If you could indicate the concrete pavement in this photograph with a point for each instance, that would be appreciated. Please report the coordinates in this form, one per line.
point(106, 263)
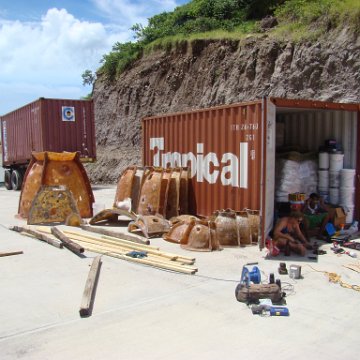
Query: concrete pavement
point(145, 313)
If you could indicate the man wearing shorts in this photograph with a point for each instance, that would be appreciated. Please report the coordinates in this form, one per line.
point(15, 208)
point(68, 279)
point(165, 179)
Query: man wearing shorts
point(288, 236)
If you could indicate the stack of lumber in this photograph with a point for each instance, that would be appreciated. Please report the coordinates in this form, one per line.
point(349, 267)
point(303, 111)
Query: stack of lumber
point(126, 250)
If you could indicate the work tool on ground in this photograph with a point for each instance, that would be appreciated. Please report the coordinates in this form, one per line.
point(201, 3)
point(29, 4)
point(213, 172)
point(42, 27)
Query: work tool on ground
point(250, 290)
point(270, 310)
point(248, 276)
point(282, 269)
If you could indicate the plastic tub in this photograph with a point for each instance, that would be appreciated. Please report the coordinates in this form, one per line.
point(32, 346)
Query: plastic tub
point(334, 195)
point(334, 179)
point(323, 178)
point(347, 196)
point(336, 162)
point(324, 194)
point(324, 160)
point(347, 178)
point(323, 190)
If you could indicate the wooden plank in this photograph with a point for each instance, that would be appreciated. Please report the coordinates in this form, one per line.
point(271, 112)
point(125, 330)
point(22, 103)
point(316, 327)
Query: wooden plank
point(38, 235)
point(172, 267)
point(77, 249)
point(115, 234)
point(160, 263)
point(150, 257)
point(10, 253)
point(108, 239)
point(90, 288)
point(81, 235)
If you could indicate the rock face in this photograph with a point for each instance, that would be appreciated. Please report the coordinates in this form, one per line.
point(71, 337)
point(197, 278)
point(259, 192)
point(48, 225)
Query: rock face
point(206, 73)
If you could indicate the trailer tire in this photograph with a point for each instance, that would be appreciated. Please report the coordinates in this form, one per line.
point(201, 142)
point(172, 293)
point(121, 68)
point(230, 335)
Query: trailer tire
point(7, 180)
point(16, 179)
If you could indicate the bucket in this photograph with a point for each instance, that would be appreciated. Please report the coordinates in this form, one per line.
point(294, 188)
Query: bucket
point(336, 161)
point(324, 194)
point(334, 178)
point(295, 271)
point(323, 178)
point(347, 196)
point(334, 195)
point(324, 161)
point(347, 178)
point(323, 189)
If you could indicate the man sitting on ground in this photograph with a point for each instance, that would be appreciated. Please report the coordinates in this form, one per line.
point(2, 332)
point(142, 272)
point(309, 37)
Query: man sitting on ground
point(316, 214)
point(288, 236)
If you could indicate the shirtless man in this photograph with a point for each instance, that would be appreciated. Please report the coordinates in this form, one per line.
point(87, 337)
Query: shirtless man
point(287, 233)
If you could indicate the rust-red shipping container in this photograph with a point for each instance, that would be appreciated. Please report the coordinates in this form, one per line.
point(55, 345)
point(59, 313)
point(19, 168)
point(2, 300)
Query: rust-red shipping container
point(46, 125)
point(231, 149)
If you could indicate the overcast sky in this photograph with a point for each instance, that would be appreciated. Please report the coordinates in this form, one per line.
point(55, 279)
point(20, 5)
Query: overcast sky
point(46, 45)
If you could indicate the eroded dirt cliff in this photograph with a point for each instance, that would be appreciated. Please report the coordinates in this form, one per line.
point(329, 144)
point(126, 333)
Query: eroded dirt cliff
point(207, 73)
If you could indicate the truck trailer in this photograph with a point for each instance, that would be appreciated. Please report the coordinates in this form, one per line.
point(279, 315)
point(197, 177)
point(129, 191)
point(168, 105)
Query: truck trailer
point(55, 125)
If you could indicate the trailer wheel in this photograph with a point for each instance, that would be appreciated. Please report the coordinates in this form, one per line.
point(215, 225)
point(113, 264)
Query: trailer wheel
point(7, 180)
point(16, 180)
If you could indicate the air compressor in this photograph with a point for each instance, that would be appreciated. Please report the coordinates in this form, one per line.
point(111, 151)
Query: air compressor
point(250, 290)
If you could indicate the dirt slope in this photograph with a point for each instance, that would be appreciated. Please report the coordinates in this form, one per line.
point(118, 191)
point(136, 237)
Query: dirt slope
point(207, 73)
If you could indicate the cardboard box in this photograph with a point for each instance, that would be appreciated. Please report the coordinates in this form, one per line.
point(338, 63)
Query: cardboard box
point(340, 217)
point(296, 197)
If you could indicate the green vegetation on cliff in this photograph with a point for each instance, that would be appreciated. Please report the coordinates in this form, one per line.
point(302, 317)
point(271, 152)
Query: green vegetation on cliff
point(232, 19)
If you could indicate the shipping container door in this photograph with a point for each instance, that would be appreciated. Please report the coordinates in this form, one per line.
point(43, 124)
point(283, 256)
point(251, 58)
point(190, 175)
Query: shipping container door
point(268, 166)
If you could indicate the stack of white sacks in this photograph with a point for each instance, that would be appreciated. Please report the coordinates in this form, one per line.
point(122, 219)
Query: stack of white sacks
point(295, 176)
point(336, 184)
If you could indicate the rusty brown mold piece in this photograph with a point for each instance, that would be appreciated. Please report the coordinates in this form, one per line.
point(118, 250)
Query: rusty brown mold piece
point(164, 191)
point(200, 236)
point(125, 185)
point(135, 192)
point(227, 232)
point(111, 215)
point(149, 200)
point(52, 204)
point(254, 224)
point(56, 169)
point(172, 204)
point(177, 232)
point(155, 190)
point(184, 191)
point(150, 225)
point(242, 219)
point(186, 218)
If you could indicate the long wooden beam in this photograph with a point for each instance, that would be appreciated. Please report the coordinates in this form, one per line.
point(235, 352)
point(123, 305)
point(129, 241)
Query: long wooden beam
point(10, 253)
point(115, 234)
point(90, 288)
point(38, 235)
point(77, 249)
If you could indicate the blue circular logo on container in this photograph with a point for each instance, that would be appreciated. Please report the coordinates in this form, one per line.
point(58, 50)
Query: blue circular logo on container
point(68, 113)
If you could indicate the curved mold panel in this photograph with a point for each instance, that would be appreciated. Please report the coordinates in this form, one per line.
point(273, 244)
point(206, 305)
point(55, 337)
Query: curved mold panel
point(56, 169)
